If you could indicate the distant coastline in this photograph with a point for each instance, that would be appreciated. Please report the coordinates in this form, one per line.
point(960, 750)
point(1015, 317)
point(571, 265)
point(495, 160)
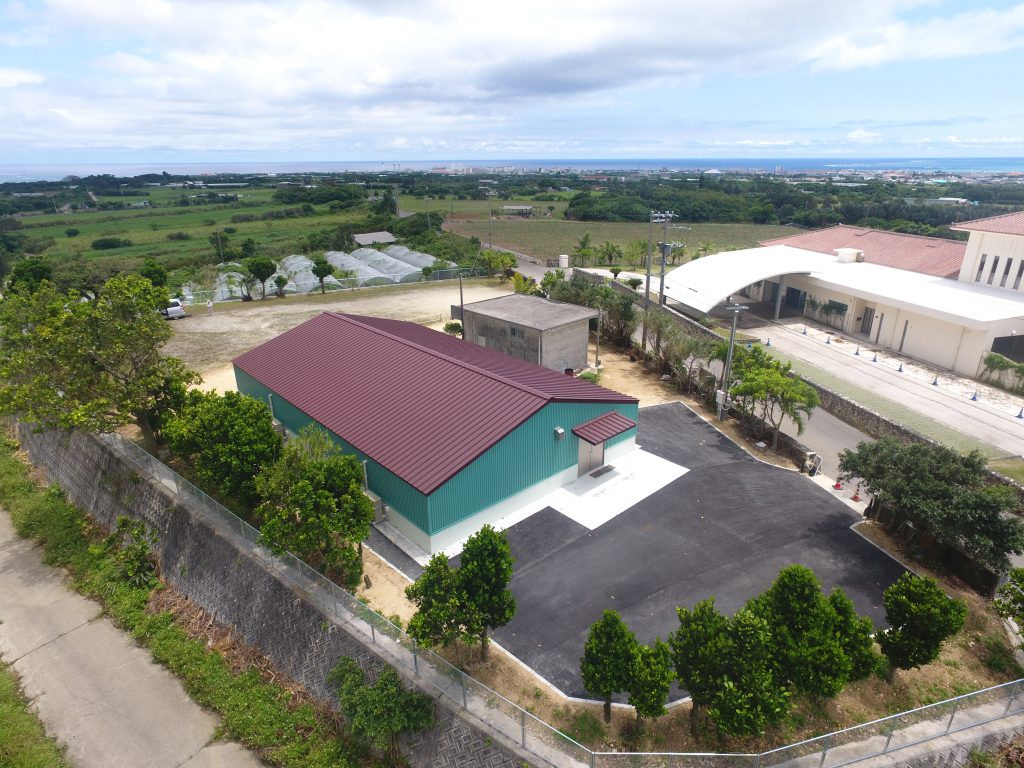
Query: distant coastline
point(820, 165)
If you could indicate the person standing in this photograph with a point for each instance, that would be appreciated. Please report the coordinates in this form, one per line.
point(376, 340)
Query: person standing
point(209, 306)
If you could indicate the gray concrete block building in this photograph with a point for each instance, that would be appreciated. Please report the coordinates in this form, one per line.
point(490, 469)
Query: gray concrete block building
point(549, 333)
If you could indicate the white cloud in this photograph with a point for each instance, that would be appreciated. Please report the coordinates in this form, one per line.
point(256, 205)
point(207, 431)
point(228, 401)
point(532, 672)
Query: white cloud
point(436, 76)
point(12, 78)
point(978, 32)
point(862, 136)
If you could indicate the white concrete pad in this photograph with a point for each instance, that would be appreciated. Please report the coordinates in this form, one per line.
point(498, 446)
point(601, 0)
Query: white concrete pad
point(593, 501)
point(35, 606)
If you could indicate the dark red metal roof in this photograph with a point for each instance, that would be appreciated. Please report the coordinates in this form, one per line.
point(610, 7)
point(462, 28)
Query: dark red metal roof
point(603, 427)
point(419, 402)
point(914, 253)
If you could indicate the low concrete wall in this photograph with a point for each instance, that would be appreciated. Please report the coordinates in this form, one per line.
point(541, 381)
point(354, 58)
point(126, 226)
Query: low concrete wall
point(221, 575)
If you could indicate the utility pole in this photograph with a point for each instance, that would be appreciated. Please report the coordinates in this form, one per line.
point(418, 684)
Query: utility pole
point(462, 308)
point(655, 217)
point(723, 392)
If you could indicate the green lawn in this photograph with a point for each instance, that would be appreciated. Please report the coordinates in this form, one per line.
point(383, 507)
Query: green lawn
point(23, 744)
point(547, 238)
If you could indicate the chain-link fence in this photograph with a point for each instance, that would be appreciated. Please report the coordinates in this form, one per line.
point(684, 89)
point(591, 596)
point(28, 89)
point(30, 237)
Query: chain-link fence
point(546, 742)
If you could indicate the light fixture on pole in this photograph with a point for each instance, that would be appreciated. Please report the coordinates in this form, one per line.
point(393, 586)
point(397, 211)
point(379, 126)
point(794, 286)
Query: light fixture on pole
point(723, 393)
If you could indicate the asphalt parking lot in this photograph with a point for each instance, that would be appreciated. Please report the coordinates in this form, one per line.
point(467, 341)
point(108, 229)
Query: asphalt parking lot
point(725, 528)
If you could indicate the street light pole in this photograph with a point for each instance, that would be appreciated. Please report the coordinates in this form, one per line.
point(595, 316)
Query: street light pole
point(724, 390)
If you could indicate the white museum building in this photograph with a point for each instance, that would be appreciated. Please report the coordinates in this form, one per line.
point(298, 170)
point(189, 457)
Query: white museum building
point(944, 302)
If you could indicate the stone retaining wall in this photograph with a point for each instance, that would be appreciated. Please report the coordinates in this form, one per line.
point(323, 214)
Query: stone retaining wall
point(221, 575)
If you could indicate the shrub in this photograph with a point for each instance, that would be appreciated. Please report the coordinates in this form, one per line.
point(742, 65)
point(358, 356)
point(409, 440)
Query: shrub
point(72, 232)
point(109, 243)
point(179, 236)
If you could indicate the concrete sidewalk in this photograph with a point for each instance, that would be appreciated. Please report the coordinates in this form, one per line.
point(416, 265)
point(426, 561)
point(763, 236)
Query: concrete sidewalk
point(95, 690)
point(991, 419)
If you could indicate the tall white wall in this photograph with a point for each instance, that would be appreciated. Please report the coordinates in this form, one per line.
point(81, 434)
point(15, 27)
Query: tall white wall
point(989, 246)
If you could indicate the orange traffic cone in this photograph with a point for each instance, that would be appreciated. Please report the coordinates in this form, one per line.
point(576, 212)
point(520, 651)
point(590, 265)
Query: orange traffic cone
point(856, 494)
point(838, 486)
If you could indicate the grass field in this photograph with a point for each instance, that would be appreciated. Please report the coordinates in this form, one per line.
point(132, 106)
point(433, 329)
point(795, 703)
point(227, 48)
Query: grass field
point(547, 238)
point(478, 209)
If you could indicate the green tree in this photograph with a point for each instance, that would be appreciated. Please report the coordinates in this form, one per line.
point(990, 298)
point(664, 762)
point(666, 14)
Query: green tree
point(261, 268)
point(584, 251)
point(808, 653)
point(942, 493)
point(650, 677)
point(322, 269)
point(699, 652)
point(29, 273)
point(855, 634)
point(387, 205)
point(381, 712)
point(155, 272)
point(749, 697)
point(219, 241)
point(453, 328)
point(314, 505)
point(248, 248)
point(485, 572)
point(606, 660)
point(440, 602)
point(230, 439)
point(921, 617)
point(1009, 602)
point(772, 393)
point(92, 365)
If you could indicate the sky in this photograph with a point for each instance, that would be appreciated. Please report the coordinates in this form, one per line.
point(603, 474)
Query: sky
point(369, 80)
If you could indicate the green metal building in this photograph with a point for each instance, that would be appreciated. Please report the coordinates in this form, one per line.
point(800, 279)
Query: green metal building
point(453, 435)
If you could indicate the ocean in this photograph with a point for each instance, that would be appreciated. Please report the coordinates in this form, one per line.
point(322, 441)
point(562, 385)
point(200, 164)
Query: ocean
point(928, 165)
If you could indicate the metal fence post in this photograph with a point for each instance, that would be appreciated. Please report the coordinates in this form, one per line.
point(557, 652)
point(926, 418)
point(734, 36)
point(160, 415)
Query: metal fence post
point(949, 723)
point(462, 682)
point(415, 659)
point(889, 737)
point(1009, 702)
point(757, 760)
point(522, 728)
point(593, 759)
point(824, 750)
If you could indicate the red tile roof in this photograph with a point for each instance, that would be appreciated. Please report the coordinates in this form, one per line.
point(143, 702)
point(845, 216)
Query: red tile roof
point(419, 402)
point(913, 253)
point(603, 427)
point(1007, 224)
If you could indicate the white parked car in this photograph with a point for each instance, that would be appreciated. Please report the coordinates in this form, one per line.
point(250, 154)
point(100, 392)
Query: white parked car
point(173, 310)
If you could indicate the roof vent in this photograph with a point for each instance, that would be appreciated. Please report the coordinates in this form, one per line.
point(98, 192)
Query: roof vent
point(849, 255)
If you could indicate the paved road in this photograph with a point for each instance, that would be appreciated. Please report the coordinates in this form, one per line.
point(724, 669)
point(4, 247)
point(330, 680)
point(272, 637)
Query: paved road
point(725, 528)
point(94, 689)
point(992, 419)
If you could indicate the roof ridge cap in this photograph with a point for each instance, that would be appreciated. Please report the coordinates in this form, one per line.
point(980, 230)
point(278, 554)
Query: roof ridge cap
point(435, 353)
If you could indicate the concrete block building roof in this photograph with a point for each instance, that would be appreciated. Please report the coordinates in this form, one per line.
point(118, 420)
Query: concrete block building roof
point(421, 403)
point(532, 311)
point(936, 256)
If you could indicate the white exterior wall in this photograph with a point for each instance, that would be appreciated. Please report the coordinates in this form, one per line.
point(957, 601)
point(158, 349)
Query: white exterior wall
point(991, 245)
point(939, 343)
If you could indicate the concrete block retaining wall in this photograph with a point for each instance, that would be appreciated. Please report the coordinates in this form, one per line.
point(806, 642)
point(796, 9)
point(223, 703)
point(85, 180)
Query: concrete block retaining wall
point(221, 575)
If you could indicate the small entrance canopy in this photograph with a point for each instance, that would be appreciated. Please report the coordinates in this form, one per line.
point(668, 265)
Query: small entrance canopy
point(703, 283)
point(603, 428)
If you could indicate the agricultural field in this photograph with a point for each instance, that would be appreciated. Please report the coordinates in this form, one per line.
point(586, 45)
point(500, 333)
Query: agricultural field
point(547, 238)
point(477, 210)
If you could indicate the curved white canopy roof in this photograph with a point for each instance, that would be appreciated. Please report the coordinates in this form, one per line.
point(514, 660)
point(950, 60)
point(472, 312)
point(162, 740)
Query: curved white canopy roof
point(703, 283)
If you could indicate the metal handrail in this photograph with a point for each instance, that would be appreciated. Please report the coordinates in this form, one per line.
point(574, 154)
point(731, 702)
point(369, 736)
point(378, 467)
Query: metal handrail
point(218, 514)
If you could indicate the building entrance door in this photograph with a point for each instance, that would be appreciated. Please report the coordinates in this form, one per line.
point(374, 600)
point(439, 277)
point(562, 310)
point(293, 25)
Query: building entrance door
point(591, 457)
point(869, 318)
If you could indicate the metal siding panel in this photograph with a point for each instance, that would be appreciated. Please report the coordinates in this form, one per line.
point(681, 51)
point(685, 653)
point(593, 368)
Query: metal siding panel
point(526, 456)
point(398, 494)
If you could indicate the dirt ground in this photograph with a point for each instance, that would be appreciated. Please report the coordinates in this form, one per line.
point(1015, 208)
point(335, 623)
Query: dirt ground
point(208, 343)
